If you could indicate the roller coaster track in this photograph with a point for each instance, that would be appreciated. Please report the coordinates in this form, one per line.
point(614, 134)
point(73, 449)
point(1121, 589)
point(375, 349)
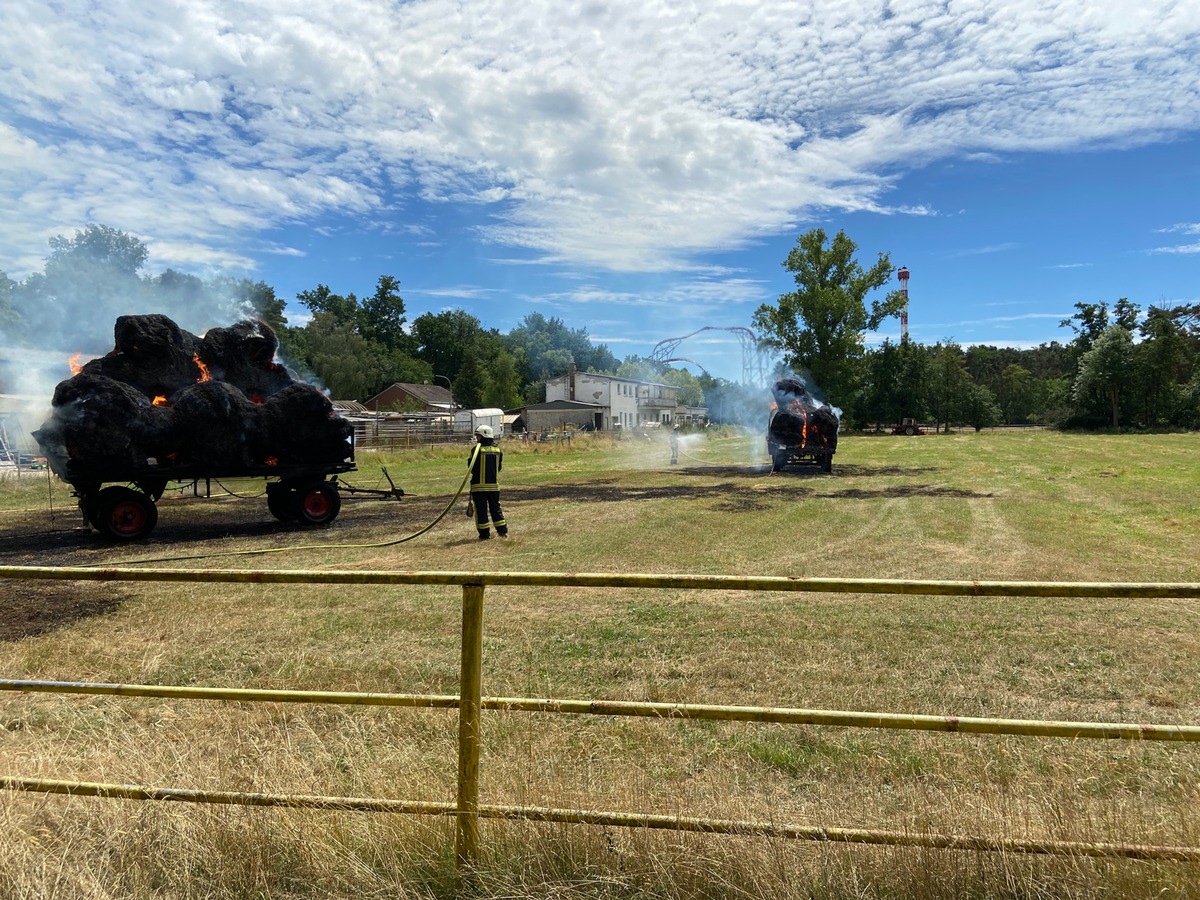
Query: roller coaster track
point(754, 362)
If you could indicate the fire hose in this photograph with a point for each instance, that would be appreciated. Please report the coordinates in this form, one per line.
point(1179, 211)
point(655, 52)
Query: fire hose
point(449, 506)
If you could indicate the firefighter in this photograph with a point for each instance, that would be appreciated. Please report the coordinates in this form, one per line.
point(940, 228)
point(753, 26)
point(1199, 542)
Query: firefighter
point(675, 446)
point(485, 484)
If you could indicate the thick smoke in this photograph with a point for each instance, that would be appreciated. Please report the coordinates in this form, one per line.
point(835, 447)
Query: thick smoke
point(68, 310)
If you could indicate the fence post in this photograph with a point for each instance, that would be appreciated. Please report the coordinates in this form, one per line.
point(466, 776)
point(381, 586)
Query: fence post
point(470, 692)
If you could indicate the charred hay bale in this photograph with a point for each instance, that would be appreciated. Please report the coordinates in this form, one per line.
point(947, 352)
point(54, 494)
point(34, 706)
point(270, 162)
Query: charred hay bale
point(152, 354)
point(152, 335)
point(826, 424)
point(789, 390)
point(100, 426)
point(217, 428)
point(303, 427)
point(244, 355)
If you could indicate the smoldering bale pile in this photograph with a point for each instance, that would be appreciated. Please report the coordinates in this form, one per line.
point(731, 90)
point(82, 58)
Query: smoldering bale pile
point(802, 420)
point(165, 399)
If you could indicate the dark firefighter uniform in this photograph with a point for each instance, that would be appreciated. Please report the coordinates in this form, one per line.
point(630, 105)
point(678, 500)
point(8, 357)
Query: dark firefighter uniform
point(485, 488)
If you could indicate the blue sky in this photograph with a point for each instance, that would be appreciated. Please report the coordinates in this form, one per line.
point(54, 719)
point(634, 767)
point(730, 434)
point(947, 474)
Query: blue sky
point(637, 169)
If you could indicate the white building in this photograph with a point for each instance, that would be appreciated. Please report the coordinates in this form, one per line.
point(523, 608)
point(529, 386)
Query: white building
point(625, 403)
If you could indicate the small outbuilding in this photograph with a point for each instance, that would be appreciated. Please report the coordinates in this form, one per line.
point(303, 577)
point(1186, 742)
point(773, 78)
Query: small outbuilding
point(555, 415)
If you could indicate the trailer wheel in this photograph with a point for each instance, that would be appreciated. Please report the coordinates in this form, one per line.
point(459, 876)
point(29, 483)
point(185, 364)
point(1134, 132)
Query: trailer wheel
point(827, 463)
point(122, 514)
point(318, 504)
point(281, 501)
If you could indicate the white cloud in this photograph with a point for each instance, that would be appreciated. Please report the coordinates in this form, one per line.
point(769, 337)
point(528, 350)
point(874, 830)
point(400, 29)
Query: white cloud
point(1188, 228)
point(1179, 248)
point(629, 135)
point(983, 251)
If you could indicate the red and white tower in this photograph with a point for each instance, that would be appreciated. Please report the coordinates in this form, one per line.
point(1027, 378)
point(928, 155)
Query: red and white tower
point(903, 276)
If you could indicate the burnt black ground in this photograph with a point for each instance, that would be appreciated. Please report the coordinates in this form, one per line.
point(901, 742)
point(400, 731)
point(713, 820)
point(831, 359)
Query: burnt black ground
point(187, 524)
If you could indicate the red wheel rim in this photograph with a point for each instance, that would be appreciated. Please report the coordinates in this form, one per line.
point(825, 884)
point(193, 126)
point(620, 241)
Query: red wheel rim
point(316, 504)
point(128, 517)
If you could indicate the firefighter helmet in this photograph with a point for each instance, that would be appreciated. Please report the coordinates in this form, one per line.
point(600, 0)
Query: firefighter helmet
point(484, 431)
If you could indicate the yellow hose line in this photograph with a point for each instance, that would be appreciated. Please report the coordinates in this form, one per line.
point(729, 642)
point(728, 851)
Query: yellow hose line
point(776, 715)
point(415, 534)
point(1077, 589)
point(627, 820)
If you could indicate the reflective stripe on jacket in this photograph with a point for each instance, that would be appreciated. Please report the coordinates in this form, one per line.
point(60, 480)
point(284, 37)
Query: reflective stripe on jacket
point(485, 472)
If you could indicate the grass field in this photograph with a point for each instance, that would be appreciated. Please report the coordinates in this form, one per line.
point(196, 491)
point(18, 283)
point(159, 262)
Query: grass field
point(1028, 506)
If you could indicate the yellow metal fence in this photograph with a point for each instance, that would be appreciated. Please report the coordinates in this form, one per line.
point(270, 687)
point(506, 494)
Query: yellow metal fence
point(470, 702)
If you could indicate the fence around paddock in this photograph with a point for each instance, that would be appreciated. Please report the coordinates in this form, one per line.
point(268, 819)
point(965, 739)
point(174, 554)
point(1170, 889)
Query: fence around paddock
point(466, 809)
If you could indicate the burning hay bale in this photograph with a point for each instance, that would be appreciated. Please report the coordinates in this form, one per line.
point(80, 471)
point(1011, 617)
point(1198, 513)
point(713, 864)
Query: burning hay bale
point(801, 427)
point(99, 422)
point(244, 356)
point(167, 402)
point(152, 354)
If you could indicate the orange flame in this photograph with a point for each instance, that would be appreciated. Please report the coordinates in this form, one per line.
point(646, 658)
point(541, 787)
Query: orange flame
point(256, 397)
point(271, 461)
point(159, 400)
point(798, 409)
point(204, 373)
point(75, 364)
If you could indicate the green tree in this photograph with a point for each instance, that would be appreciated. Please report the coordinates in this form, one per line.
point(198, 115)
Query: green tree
point(690, 391)
point(503, 390)
point(382, 318)
point(545, 343)
point(1014, 393)
point(1107, 369)
point(444, 339)
point(1092, 319)
point(820, 327)
point(950, 383)
point(100, 245)
point(343, 360)
point(895, 383)
point(1161, 363)
point(321, 299)
point(87, 281)
point(400, 368)
point(473, 382)
point(639, 368)
point(980, 409)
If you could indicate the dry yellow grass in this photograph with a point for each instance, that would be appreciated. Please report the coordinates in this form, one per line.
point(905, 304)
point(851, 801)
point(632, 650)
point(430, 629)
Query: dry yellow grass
point(990, 506)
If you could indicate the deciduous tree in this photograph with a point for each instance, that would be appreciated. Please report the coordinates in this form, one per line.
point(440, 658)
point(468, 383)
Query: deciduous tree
point(820, 326)
point(1107, 369)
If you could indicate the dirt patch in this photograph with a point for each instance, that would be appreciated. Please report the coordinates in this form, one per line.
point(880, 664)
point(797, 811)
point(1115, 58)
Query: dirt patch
point(37, 607)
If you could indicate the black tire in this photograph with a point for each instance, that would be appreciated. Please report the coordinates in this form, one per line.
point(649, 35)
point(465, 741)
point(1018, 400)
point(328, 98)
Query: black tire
point(910, 430)
point(779, 459)
point(281, 501)
point(317, 504)
point(827, 463)
point(123, 514)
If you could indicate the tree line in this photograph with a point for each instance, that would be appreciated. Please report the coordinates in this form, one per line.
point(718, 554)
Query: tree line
point(1123, 366)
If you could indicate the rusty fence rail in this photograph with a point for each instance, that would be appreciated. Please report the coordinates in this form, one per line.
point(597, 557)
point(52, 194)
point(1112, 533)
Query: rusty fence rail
point(470, 702)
